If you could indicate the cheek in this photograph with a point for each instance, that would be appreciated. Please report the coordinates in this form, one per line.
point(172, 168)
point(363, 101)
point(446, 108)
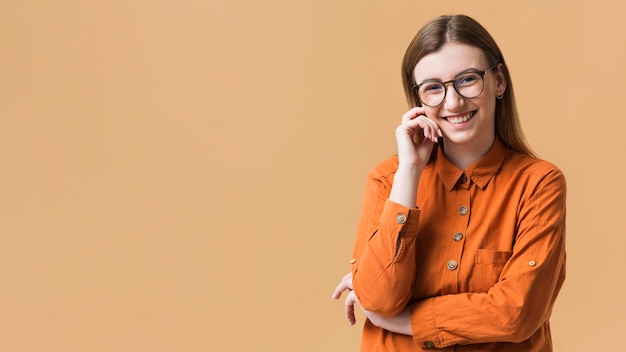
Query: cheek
point(487, 105)
point(487, 99)
point(491, 89)
point(432, 113)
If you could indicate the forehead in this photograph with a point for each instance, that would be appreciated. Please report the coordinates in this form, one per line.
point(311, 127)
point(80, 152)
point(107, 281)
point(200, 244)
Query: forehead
point(450, 60)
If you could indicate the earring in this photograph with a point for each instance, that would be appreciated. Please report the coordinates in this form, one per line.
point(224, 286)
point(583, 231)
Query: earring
point(499, 96)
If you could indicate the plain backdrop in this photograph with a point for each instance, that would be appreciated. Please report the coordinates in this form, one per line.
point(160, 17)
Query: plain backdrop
point(187, 175)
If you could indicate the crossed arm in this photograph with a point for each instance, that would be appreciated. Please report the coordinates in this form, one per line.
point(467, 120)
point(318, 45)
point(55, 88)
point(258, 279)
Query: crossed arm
point(400, 323)
point(413, 158)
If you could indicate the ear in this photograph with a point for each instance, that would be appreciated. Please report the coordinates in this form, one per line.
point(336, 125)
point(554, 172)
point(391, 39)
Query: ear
point(501, 80)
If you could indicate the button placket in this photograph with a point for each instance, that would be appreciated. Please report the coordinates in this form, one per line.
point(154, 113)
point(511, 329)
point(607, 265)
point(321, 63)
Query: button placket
point(453, 273)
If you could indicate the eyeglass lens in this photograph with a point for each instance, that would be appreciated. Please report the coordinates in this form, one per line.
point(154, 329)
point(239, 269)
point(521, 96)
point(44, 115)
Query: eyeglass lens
point(468, 85)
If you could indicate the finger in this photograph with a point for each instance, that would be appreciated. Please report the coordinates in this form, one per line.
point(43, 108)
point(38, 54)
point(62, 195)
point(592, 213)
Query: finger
point(339, 290)
point(437, 129)
point(349, 308)
point(412, 114)
point(433, 129)
point(344, 284)
point(422, 122)
point(348, 280)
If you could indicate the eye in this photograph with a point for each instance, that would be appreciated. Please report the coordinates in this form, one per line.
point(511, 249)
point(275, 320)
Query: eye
point(431, 88)
point(467, 79)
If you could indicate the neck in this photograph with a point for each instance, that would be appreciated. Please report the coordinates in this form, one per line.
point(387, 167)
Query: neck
point(465, 154)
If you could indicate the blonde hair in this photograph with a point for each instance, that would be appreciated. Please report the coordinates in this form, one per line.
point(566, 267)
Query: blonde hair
point(464, 29)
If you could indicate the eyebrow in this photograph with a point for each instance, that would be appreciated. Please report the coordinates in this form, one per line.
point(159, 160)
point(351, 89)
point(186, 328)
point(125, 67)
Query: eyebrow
point(455, 76)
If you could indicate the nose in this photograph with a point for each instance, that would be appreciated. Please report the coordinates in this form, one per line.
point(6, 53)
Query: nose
point(452, 99)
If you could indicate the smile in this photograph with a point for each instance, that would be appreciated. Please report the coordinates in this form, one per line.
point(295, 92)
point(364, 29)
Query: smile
point(460, 119)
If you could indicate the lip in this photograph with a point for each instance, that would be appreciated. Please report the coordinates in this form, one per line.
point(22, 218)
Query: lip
point(460, 120)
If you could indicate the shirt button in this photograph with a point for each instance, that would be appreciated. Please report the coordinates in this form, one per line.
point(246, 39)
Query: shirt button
point(452, 264)
point(532, 263)
point(352, 261)
point(401, 218)
point(463, 210)
point(457, 236)
point(429, 345)
point(463, 179)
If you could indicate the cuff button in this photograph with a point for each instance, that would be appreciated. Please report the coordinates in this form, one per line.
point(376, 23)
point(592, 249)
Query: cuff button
point(401, 218)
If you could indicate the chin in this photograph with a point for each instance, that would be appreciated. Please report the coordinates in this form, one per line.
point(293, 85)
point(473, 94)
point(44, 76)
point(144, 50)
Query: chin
point(458, 138)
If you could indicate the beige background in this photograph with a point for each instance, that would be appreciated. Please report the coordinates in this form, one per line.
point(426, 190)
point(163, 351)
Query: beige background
point(187, 175)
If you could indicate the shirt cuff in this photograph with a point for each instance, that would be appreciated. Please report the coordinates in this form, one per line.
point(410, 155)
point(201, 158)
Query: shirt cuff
point(401, 219)
point(424, 326)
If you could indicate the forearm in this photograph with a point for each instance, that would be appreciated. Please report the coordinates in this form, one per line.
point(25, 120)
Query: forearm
point(384, 257)
point(399, 324)
point(384, 272)
point(511, 311)
point(404, 188)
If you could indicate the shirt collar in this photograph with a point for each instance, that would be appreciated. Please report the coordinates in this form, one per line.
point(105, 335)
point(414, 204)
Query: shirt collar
point(479, 173)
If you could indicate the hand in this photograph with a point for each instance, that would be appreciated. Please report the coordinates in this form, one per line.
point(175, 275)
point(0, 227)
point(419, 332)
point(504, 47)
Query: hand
point(400, 324)
point(346, 285)
point(415, 137)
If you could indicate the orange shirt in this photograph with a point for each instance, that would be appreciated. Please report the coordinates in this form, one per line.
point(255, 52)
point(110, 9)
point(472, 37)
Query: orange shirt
point(479, 261)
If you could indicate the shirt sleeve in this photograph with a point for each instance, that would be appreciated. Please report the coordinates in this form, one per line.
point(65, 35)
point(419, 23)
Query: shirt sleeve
point(382, 267)
point(522, 299)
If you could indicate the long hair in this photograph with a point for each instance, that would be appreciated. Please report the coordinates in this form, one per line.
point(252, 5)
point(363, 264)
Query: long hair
point(463, 29)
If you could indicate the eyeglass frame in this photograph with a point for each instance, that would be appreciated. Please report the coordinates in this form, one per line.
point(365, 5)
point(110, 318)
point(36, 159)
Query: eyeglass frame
point(482, 74)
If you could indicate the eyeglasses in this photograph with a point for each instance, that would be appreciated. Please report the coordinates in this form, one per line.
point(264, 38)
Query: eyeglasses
point(468, 84)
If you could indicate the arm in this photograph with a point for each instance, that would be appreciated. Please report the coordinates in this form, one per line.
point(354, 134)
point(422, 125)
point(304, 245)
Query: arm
point(401, 323)
point(522, 299)
point(384, 256)
point(518, 304)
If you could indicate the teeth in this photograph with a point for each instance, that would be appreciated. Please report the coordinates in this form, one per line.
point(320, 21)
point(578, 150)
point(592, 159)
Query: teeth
point(460, 119)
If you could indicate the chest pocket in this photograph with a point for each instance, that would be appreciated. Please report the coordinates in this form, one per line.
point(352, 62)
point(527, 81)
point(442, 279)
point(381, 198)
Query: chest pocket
point(487, 268)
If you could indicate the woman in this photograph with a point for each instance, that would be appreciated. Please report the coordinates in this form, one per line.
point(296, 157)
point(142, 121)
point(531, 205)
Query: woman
point(461, 241)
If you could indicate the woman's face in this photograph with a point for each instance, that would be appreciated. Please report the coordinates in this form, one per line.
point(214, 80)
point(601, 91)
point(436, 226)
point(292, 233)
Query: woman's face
point(463, 121)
